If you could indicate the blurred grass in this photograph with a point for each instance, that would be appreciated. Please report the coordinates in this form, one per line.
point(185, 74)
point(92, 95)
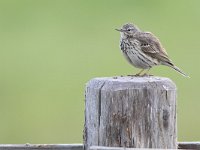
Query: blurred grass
point(50, 49)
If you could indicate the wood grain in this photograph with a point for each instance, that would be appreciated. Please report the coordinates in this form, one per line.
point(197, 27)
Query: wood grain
point(131, 112)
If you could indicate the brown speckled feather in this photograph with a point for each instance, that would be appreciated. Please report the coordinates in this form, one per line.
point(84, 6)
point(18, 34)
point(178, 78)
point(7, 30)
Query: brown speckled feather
point(151, 45)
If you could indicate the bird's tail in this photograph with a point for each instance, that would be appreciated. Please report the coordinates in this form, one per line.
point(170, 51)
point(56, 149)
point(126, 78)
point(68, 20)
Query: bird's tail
point(176, 68)
point(180, 71)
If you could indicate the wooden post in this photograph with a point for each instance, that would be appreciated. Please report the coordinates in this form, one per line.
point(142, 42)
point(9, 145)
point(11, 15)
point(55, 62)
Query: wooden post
point(138, 112)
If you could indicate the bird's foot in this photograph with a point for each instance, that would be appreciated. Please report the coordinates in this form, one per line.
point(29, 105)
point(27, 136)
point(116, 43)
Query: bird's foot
point(132, 75)
point(146, 75)
point(138, 75)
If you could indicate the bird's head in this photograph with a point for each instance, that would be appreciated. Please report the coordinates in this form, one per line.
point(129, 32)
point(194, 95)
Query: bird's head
point(128, 29)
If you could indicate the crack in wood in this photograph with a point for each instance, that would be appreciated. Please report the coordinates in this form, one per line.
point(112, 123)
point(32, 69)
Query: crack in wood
point(99, 111)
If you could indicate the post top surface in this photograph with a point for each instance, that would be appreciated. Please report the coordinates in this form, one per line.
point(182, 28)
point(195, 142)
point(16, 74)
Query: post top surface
point(123, 82)
point(134, 79)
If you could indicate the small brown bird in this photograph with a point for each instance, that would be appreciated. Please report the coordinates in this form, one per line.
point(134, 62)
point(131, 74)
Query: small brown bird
point(143, 49)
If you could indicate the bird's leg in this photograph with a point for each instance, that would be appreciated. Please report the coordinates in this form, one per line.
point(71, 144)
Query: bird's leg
point(146, 73)
point(138, 74)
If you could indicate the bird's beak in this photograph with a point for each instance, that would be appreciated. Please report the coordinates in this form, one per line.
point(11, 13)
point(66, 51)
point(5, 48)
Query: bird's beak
point(120, 30)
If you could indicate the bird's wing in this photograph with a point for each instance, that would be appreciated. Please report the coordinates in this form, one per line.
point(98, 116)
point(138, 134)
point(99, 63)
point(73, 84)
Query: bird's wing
point(151, 46)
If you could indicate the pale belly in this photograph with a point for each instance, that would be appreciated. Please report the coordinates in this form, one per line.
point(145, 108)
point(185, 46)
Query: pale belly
point(138, 60)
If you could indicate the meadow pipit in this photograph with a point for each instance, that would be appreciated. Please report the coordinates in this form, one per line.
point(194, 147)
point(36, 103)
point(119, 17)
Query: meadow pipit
point(143, 50)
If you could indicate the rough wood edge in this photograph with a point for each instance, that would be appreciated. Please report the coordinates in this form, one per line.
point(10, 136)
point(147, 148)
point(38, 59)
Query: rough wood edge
point(189, 145)
point(120, 148)
point(182, 145)
point(41, 146)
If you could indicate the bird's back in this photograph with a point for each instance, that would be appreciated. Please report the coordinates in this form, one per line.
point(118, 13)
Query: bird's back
point(151, 46)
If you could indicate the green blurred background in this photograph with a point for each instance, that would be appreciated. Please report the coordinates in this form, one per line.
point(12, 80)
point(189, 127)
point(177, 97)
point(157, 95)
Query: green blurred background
point(49, 49)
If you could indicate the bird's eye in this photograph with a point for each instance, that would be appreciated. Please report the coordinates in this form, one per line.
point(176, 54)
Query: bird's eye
point(128, 29)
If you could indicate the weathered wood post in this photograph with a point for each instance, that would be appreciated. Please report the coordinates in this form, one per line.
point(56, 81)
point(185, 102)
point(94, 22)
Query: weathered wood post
point(138, 112)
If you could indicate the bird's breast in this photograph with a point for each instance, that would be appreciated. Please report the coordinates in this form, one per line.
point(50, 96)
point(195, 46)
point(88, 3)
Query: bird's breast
point(133, 54)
